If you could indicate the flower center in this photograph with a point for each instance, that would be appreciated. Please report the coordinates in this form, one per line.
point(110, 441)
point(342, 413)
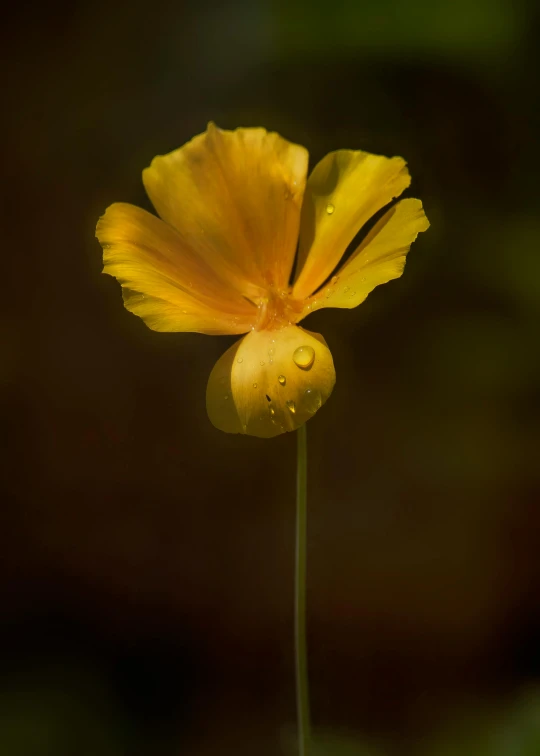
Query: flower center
point(276, 310)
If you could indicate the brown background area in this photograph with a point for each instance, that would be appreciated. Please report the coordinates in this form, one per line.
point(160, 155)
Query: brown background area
point(146, 580)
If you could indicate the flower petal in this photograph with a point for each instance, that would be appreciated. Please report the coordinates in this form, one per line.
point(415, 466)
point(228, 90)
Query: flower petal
point(344, 190)
point(164, 282)
point(378, 259)
point(235, 199)
point(258, 388)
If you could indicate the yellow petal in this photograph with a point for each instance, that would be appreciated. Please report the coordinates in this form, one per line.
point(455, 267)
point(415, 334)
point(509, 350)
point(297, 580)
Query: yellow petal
point(264, 385)
point(344, 190)
point(164, 282)
point(235, 199)
point(378, 259)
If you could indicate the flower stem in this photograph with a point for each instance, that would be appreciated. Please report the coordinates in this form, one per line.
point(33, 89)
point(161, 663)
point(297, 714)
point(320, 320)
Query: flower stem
point(302, 684)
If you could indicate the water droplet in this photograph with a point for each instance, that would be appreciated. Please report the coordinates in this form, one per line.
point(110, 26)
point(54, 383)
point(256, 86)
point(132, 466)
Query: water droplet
point(334, 279)
point(271, 351)
point(226, 396)
point(272, 412)
point(282, 379)
point(330, 208)
point(329, 293)
point(312, 400)
point(184, 312)
point(304, 357)
point(254, 385)
point(291, 406)
point(363, 279)
point(239, 360)
point(352, 294)
point(346, 289)
point(262, 362)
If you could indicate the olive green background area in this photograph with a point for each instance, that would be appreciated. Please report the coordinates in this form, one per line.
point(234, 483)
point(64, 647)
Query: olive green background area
point(147, 559)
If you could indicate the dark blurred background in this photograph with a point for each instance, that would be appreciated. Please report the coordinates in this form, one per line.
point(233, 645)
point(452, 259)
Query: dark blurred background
point(146, 558)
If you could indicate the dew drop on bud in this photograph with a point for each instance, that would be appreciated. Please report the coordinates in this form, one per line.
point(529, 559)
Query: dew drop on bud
point(282, 380)
point(330, 208)
point(291, 406)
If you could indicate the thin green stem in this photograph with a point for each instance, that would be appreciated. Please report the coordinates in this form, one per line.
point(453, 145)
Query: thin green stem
point(302, 684)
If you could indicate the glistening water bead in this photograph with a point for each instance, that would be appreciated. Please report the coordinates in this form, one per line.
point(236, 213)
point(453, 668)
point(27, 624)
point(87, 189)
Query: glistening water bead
point(330, 208)
point(282, 380)
point(304, 357)
point(311, 401)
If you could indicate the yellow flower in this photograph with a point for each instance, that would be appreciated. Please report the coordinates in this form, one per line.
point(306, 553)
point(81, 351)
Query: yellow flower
point(235, 205)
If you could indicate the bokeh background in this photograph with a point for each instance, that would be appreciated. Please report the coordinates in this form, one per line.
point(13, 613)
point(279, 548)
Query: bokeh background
point(147, 559)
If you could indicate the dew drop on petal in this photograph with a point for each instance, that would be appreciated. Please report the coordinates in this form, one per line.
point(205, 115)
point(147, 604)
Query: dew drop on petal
point(254, 385)
point(303, 357)
point(239, 360)
point(271, 351)
point(291, 406)
point(226, 396)
point(346, 289)
point(311, 401)
point(330, 208)
point(282, 380)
